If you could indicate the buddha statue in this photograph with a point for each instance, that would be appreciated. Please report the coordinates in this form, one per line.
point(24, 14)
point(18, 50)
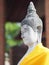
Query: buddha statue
point(31, 33)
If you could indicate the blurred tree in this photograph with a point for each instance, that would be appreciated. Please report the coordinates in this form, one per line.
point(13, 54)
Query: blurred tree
point(12, 30)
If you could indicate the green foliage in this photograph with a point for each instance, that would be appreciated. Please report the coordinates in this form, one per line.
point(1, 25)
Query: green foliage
point(12, 30)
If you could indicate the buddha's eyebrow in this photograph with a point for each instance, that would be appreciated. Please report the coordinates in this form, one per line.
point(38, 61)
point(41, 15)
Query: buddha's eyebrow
point(24, 30)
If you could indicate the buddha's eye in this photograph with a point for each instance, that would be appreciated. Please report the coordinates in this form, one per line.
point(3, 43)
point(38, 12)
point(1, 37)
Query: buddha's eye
point(24, 31)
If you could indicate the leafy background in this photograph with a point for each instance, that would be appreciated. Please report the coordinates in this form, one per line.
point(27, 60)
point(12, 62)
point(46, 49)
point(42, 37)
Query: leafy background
point(12, 30)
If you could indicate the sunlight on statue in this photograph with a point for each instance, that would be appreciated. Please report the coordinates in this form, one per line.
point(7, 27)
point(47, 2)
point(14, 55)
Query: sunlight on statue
point(31, 33)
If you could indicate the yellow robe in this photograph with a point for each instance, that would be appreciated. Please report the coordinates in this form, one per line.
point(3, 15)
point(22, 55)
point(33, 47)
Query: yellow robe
point(39, 56)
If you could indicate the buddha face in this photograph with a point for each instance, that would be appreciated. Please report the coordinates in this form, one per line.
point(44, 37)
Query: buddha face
point(28, 35)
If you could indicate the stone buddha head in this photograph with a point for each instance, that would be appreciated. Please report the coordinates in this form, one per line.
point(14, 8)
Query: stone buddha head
point(31, 26)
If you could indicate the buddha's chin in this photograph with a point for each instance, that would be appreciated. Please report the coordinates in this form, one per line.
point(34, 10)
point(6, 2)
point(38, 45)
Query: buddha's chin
point(26, 42)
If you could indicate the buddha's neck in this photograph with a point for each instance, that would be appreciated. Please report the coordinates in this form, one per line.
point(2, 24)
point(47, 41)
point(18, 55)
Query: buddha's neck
point(30, 48)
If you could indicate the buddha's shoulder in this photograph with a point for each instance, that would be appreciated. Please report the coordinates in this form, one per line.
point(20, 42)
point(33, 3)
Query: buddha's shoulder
point(45, 50)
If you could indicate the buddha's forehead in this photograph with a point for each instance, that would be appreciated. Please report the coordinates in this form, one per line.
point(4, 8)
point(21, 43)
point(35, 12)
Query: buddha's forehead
point(27, 28)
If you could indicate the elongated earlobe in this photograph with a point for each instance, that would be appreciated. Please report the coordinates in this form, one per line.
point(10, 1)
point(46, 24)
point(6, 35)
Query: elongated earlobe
point(39, 28)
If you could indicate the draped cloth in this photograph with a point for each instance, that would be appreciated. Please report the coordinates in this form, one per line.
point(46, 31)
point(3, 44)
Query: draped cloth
point(38, 56)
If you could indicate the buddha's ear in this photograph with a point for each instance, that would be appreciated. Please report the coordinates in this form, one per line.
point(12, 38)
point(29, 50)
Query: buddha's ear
point(39, 30)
